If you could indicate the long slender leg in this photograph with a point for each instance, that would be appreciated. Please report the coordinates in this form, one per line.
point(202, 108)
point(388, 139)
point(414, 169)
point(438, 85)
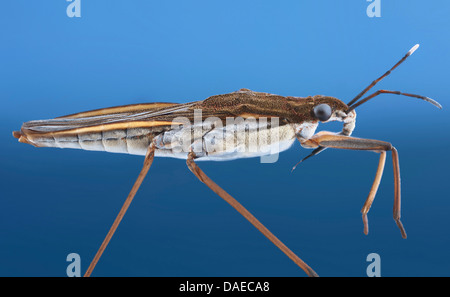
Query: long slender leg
point(147, 163)
point(373, 191)
point(332, 140)
point(246, 214)
point(397, 187)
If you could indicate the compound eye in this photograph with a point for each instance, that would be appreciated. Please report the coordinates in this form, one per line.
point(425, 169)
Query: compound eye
point(322, 112)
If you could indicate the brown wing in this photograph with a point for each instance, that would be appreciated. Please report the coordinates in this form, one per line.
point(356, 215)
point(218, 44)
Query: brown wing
point(112, 115)
point(243, 103)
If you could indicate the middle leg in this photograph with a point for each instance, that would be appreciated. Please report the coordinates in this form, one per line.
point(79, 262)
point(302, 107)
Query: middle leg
point(246, 214)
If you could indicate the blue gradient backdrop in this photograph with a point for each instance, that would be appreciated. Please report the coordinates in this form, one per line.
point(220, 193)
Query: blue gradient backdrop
point(55, 202)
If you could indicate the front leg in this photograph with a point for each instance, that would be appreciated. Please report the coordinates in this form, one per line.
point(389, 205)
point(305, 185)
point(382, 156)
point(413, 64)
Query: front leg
point(331, 140)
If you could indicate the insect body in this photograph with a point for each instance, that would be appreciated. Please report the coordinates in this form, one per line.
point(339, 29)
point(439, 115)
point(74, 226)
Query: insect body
point(222, 127)
point(118, 130)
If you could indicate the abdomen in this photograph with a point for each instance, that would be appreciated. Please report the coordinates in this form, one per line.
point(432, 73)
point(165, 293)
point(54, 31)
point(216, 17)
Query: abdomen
point(213, 143)
point(130, 141)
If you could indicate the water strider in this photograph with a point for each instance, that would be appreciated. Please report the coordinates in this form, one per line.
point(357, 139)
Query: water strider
point(221, 127)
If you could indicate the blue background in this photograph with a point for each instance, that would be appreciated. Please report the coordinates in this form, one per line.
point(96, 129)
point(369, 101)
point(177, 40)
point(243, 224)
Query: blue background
point(55, 202)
